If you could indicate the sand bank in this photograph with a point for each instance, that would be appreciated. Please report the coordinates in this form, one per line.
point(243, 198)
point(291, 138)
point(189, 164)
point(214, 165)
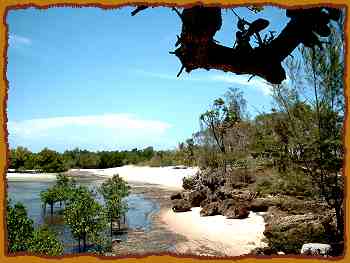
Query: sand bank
point(31, 176)
point(167, 177)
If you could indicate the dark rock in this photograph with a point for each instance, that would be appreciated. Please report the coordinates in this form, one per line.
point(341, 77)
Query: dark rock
point(235, 185)
point(226, 205)
point(211, 197)
point(176, 196)
point(239, 212)
point(181, 205)
point(263, 251)
point(188, 183)
point(224, 193)
point(210, 209)
point(261, 204)
point(196, 197)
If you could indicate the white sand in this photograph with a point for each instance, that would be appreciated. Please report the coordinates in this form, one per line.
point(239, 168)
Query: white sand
point(163, 176)
point(233, 237)
point(31, 177)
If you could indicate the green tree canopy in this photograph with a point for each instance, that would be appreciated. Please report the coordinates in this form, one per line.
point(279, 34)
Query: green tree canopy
point(84, 215)
point(45, 242)
point(19, 227)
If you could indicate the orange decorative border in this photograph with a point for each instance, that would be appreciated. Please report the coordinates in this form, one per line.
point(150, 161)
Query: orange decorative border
point(6, 5)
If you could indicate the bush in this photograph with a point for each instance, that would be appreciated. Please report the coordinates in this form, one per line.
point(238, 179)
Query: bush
point(45, 242)
point(19, 227)
point(21, 235)
point(292, 184)
point(290, 241)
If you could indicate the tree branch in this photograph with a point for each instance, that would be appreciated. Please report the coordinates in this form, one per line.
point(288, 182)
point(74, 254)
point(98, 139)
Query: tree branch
point(199, 50)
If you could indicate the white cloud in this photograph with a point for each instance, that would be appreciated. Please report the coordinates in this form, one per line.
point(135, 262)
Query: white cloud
point(172, 76)
point(256, 82)
point(93, 131)
point(19, 40)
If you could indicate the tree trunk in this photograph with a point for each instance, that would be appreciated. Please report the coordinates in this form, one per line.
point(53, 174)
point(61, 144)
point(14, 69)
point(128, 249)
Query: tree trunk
point(84, 242)
point(79, 244)
point(111, 228)
point(340, 221)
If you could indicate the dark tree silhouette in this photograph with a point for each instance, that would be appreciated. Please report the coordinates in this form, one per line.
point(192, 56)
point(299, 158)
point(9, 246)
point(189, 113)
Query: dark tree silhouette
point(198, 49)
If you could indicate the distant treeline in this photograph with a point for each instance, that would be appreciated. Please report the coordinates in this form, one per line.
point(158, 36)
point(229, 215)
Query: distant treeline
point(48, 160)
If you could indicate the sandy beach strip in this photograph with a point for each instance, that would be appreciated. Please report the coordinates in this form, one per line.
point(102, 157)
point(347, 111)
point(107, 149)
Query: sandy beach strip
point(231, 237)
point(166, 177)
point(31, 176)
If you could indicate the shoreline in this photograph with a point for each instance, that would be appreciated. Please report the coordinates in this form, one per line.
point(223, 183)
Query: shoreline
point(164, 177)
point(185, 233)
point(24, 177)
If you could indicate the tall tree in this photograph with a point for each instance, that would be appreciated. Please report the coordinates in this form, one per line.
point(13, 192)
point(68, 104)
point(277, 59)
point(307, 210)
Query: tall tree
point(113, 191)
point(84, 215)
point(311, 127)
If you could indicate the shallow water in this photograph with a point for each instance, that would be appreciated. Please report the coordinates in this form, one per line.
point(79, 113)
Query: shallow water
point(28, 192)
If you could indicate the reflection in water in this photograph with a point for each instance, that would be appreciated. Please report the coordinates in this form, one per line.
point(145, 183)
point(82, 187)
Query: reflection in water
point(28, 192)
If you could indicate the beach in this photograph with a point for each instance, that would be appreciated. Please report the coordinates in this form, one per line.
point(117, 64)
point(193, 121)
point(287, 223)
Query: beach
point(191, 233)
point(165, 177)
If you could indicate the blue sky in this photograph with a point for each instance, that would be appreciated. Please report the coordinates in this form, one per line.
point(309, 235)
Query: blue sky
point(102, 79)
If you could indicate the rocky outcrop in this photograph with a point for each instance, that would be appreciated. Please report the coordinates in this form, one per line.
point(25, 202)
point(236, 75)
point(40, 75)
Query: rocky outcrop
point(210, 209)
point(261, 204)
point(195, 197)
point(176, 196)
point(216, 192)
point(181, 205)
point(239, 212)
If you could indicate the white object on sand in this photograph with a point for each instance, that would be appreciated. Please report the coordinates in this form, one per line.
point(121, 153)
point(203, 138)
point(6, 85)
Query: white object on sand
point(315, 249)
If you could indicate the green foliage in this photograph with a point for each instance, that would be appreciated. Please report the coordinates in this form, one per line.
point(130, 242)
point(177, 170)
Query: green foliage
point(291, 240)
point(22, 237)
point(19, 228)
point(114, 186)
point(21, 158)
point(291, 183)
point(50, 161)
point(49, 196)
point(84, 215)
point(45, 242)
point(61, 191)
point(113, 191)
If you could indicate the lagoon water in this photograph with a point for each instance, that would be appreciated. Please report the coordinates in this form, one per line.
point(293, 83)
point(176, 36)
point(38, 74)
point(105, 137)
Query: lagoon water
point(28, 193)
